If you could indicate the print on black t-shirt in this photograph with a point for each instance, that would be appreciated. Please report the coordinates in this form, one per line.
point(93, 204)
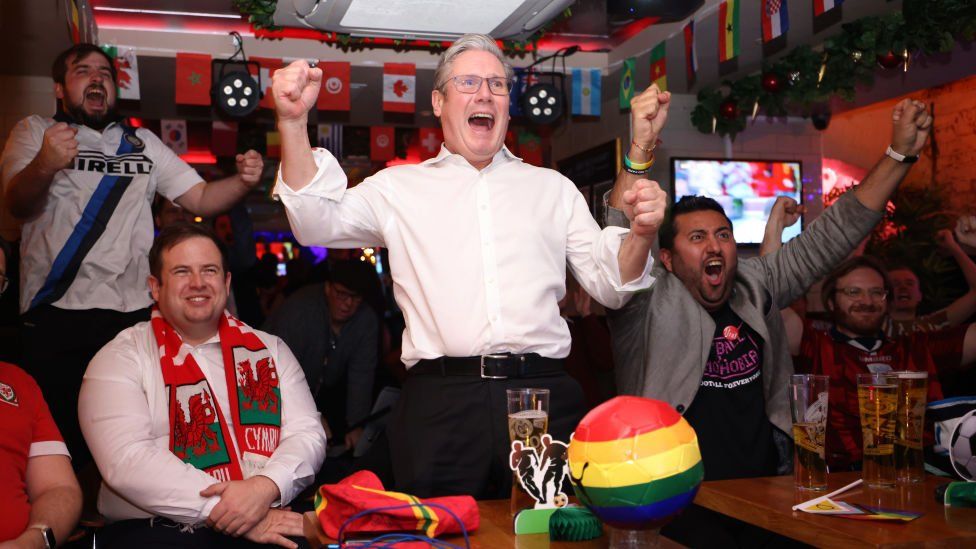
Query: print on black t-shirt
point(729, 411)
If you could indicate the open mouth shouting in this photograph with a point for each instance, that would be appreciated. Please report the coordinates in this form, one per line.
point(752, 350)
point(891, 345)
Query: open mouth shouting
point(96, 97)
point(481, 121)
point(714, 269)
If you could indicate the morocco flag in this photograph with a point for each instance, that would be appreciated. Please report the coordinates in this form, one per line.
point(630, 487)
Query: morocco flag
point(334, 93)
point(192, 79)
point(728, 30)
point(381, 146)
point(268, 66)
point(659, 67)
point(399, 82)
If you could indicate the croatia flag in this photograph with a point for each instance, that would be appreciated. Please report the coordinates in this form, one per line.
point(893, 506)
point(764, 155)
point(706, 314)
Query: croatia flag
point(399, 83)
point(775, 19)
point(586, 92)
point(821, 6)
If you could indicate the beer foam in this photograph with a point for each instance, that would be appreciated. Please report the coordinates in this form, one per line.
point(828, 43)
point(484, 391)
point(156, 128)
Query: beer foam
point(911, 375)
point(529, 414)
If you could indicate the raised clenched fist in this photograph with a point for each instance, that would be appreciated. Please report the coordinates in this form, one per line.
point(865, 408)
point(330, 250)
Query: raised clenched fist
point(644, 205)
point(295, 90)
point(59, 148)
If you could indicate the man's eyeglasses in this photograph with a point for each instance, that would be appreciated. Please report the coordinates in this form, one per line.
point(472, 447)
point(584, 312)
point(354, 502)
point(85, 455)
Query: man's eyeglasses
point(470, 83)
point(346, 295)
point(876, 294)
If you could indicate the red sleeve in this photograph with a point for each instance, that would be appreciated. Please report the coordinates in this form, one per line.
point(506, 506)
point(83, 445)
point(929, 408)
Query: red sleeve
point(945, 346)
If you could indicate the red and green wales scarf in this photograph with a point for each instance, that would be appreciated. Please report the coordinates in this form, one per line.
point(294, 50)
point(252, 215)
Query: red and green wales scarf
point(198, 431)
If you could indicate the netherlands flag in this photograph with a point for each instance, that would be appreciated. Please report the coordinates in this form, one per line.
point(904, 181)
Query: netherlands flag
point(821, 6)
point(586, 92)
point(775, 19)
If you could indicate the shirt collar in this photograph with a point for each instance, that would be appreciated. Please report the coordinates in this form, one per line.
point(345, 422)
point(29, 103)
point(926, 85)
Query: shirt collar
point(502, 156)
point(867, 344)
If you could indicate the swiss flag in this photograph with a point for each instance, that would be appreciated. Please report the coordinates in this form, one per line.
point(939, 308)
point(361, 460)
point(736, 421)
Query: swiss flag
point(381, 146)
point(399, 83)
point(334, 93)
point(268, 66)
point(193, 79)
point(430, 142)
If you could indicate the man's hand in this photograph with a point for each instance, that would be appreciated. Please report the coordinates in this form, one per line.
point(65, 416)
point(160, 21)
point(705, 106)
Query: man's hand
point(966, 233)
point(786, 210)
point(243, 503)
point(275, 526)
point(31, 538)
point(945, 241)
point(911, 125)
point(644, 205)
point(648, 113)
point(59, 147)
point(250, 165)
point(295, 90)
point(352, 437)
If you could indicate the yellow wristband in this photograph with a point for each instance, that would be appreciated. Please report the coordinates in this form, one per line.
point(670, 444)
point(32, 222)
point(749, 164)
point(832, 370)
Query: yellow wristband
point(639, 167)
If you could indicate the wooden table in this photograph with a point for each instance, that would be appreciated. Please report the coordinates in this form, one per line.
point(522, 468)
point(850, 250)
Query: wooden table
point(766, 502)
point(496, 532)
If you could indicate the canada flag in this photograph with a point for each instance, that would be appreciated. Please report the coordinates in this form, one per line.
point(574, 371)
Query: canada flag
point(399, 83)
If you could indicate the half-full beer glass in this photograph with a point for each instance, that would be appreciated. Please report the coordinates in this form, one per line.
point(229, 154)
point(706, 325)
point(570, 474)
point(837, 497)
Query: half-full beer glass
point(528, 420)
point(808, 404)
point(912, 398)
point(877, 395)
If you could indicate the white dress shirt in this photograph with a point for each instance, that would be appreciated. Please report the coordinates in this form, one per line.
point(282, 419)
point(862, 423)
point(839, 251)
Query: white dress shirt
point(123, 409)
point(478, 258)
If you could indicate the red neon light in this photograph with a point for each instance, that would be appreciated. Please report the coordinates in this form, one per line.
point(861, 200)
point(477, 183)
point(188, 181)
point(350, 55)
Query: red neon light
point(199, 157)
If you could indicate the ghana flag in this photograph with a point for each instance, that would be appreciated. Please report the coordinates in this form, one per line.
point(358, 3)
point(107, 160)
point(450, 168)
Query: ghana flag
point(635, 462)
point(728, 30)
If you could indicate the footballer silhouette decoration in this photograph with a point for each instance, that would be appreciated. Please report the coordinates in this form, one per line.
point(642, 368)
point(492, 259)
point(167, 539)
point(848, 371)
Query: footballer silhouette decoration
point(540, 472)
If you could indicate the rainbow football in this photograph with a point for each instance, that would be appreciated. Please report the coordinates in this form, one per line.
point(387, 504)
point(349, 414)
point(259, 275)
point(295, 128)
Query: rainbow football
point(635, 462)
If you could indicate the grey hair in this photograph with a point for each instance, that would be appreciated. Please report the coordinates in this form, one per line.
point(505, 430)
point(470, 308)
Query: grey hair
point(468, 42)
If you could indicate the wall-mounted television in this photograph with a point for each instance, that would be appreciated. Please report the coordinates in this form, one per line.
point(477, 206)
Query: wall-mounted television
point(746, 189)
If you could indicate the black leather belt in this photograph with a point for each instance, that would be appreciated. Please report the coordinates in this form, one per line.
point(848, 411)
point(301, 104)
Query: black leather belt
point(500, 366)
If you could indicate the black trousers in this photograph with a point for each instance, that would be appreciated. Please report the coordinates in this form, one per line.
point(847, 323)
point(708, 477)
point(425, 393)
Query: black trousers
point(449, 434)
point(58, 345)
point(165, 534)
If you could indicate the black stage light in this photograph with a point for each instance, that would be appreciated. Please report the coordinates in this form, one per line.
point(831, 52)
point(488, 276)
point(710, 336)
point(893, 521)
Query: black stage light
point(543, 103)
point(235, 91)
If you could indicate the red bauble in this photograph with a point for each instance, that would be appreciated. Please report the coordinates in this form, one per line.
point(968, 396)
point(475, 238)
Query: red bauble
point(728, 109)
point(772, 82)
point(890, 59)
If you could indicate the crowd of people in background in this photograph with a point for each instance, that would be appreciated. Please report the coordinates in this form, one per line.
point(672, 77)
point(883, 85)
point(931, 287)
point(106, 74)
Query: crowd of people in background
point(210, 391)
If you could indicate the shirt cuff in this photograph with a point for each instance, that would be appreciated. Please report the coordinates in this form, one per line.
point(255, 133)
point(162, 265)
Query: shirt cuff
point(48, 448)
point(208, 508)
point(329, 180)
point(284, 479)
point(608, 248)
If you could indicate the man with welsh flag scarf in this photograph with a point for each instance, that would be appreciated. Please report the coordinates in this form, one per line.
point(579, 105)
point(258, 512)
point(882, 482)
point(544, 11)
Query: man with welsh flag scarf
point(201, 426)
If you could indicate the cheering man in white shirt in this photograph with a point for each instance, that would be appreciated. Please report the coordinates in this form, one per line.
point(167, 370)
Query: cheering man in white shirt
point(478, 244)
point(195, 418)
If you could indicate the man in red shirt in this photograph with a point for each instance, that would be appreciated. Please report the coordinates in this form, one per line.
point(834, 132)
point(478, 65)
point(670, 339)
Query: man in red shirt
point(857, 294)
point(40, 499)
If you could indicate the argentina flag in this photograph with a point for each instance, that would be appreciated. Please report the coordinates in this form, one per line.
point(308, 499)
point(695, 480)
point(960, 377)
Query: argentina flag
point(586, 92)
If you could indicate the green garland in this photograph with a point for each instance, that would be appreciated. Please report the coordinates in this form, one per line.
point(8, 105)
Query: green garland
point(260, 14)
point(812, 77)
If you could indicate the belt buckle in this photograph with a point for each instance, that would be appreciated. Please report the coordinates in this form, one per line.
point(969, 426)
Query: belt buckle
point(483, 357)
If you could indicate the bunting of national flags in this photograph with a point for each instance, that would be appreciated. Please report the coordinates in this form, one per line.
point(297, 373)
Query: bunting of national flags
point(775, 19)
point(193, 75)
point(330, 138)
point(173, 135)
point(381, 143)
point(822, 6)
point(728, 30)
point(586, 92)
point(127, 71)
point(334, 93)
point(659, 67)
point(399, 87)
point(691, 54)
point(627, 82)
point(267, 67)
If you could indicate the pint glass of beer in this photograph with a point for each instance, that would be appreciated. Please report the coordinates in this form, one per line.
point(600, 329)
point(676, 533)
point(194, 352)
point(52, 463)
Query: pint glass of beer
point(808, 404)
point(877, 396)
point(528, 420)
point(912, 398)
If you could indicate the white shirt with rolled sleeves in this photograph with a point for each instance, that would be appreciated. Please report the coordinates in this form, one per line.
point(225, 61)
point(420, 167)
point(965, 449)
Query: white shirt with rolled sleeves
point(478, 258)
point(124, 414)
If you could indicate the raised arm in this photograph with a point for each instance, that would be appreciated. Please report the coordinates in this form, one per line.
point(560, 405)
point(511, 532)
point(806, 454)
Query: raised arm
point(27, 191)
point(648, 114)
point(216, 197)
point(964, 307)
point(295, 89)
point(911, 125)
point(785, 213)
